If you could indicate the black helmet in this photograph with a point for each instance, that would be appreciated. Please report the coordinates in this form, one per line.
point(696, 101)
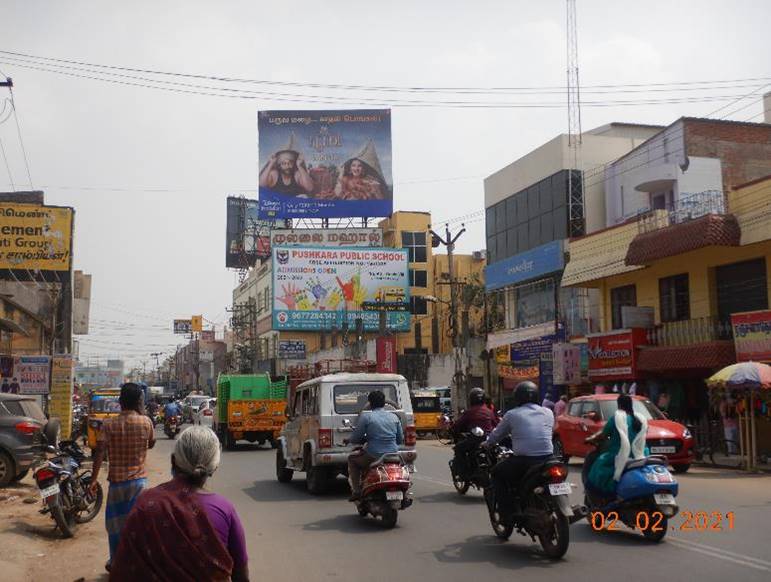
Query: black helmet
point(476, 396)
point(526, 392)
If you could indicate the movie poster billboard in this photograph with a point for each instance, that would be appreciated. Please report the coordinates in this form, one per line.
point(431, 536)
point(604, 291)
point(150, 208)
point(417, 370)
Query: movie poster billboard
point(320, 288)
point(247, 237)
point(325, 164)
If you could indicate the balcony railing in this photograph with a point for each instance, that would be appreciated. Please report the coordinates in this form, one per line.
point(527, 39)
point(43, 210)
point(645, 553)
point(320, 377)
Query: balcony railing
point(684, 209)
point(690, 331)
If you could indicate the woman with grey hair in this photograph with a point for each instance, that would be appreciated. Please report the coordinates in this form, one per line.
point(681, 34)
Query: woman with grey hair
point(181, 531)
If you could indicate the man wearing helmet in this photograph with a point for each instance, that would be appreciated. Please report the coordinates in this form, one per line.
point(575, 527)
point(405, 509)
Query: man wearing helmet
point(530, 427)
point(477, 414)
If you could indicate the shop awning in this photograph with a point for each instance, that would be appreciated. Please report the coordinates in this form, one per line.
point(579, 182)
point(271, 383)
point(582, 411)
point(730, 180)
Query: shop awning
point(599, 255)
point(703, 356)
point(12, 326)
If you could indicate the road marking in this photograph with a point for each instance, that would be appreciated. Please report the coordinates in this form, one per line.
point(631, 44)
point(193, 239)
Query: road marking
point(741, 559)
point(432, 480)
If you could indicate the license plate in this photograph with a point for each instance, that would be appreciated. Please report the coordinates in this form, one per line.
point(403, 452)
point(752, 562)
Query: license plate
point(49, 491)
point(559, 488)
point(665, 450)
point(664, 499)
point(394, 495)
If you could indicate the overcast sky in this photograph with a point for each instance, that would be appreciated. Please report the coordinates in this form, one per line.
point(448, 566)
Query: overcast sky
point(155, 255)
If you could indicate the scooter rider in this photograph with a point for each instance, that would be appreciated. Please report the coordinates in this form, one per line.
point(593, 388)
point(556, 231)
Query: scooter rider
point(530, 427)
point(171, 410)
point(476, 415)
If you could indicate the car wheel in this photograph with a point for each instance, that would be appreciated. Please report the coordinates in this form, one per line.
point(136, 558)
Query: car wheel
point(7, 469)
point(681, 468)
point(316, 480)
point(283, 475)
point(559, 450)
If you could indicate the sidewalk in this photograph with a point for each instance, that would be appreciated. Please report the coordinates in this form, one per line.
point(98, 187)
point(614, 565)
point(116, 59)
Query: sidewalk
point(32, 550)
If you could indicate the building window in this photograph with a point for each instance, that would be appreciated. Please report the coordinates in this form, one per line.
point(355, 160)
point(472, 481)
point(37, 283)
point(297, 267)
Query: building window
point(674, 298)
point(741, 287)
point(415, 243)
point(418, 305)
point(418, 278)
point(625, 296)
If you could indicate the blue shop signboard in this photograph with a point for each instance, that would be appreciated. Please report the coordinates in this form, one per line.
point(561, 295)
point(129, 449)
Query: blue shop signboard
point(531, 264)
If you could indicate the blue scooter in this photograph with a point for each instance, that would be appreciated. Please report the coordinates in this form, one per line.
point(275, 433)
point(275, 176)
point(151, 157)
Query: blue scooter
point(644, 500)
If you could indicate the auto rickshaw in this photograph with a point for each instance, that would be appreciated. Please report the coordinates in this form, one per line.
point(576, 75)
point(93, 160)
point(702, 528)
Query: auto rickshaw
point(103, 404)
point(427, 411)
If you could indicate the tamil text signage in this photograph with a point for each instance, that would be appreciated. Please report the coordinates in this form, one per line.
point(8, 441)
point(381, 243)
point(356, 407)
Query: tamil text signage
point(291, 349)
point(752, 336)
point(328, 237)
point(35, 237)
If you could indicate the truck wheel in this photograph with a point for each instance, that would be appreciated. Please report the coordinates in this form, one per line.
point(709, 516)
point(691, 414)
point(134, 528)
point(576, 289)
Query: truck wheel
point(283, 474)
point(230, 442)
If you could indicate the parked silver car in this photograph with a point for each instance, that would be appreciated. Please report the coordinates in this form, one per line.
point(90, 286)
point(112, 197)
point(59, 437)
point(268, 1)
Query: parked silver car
point(21, 424)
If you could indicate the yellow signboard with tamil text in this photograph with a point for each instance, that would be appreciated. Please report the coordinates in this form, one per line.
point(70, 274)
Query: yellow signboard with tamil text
point(35, 237)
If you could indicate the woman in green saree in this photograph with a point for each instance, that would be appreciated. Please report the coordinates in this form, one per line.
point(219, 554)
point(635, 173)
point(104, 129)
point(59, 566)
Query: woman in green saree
point(626, 431)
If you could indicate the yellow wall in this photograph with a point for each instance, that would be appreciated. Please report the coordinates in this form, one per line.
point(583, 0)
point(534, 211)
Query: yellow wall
point(752, 206)
point(698, 264)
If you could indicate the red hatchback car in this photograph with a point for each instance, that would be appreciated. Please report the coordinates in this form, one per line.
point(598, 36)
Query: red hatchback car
point(586, 415)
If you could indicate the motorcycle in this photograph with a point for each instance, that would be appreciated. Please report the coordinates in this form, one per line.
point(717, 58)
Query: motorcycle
point(644, 500)
point(544, 506)
point(64, 487)
point(385, 489)
point(478, 463)
point(171, 427)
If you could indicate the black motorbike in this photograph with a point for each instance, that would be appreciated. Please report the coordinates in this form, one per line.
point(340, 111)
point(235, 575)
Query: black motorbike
point(542, 506)
point(472, 463)
point(64, 486)
point(171, 426)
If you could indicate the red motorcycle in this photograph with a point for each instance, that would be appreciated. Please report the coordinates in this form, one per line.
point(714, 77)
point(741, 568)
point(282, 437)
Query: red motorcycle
point(386, 489)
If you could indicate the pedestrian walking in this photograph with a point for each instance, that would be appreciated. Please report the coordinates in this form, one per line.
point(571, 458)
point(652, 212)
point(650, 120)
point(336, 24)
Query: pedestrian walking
point(180, 531)
point(126, 439)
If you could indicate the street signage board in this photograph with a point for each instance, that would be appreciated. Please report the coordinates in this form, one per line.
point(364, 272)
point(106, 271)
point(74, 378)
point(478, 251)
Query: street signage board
point(537, 262)
point(328, 237)
point(385, 351)
point(291, 349)
point(613, 356)
point(320, 288)
point(567, 363)
point(34, 237)
point(196, 323)
point(325, 164)
point(33, 373)
point(61, 392)
point(184, 326)
point(752, 336)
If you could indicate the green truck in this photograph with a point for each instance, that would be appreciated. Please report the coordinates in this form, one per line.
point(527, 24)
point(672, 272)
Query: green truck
point(251, 407)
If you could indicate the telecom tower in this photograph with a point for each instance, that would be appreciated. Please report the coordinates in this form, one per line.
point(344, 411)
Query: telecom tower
point(575, 182)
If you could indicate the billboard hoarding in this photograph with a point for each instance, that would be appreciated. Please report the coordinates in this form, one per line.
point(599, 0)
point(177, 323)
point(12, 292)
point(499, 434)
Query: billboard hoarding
point(325, 164)
point(321, 288)
point(291, 349)
point(537, 262)
point(33, 373)
point(35, 237)
point(183, 326)
point(247, 237)
point(752, 336)
point(385, 350)
point(328, 237)
point(196, 323)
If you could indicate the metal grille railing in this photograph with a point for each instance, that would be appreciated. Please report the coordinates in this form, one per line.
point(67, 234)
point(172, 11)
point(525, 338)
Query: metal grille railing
point(690, 331)
point(684, 209)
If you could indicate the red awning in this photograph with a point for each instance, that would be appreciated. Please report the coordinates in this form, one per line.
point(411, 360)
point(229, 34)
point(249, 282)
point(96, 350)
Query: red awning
point(705, 356)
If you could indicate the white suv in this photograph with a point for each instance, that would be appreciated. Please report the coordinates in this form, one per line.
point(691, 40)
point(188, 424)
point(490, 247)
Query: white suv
point(322, 415)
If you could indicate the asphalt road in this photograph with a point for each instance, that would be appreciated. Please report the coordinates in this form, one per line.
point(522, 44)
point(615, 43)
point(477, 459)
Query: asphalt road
point(295, 536)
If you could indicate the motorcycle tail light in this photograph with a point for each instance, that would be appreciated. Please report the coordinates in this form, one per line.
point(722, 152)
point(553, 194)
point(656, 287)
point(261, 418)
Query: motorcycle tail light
point(27, 427)
point(410, 436)
point(207, 412)
point(557, 473)
point(325, 438)
point(44, 475)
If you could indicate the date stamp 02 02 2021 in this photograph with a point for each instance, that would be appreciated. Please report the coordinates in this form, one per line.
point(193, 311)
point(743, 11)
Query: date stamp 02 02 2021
point(656, 521)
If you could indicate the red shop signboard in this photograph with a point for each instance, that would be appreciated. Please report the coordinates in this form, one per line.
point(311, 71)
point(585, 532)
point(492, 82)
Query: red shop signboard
point(385, 348)
point(613, 356)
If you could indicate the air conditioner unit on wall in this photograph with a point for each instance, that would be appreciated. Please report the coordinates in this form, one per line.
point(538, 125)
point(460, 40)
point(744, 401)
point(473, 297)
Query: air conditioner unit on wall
point(478, 255)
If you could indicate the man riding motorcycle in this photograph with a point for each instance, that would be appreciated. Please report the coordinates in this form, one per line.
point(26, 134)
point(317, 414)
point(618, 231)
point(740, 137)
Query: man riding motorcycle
point(530, 427)
point(171, 410)
point(381, 430)
point(476, 415)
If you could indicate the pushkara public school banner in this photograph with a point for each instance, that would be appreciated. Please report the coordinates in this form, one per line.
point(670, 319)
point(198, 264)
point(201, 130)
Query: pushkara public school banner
point(320, 288)
point(325, 164)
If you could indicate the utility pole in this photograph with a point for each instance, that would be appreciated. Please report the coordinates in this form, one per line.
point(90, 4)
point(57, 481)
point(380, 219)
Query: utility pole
point(156, 355)
point(458, 389)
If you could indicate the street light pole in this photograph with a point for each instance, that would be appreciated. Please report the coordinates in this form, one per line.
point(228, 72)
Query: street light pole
point(457, 391)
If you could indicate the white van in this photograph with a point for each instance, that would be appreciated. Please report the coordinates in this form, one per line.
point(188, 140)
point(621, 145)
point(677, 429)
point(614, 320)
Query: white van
point(322, 415)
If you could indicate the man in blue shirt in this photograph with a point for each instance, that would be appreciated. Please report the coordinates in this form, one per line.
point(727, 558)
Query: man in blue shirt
point(530, 427)
point(381, 430)
point(171, 409)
